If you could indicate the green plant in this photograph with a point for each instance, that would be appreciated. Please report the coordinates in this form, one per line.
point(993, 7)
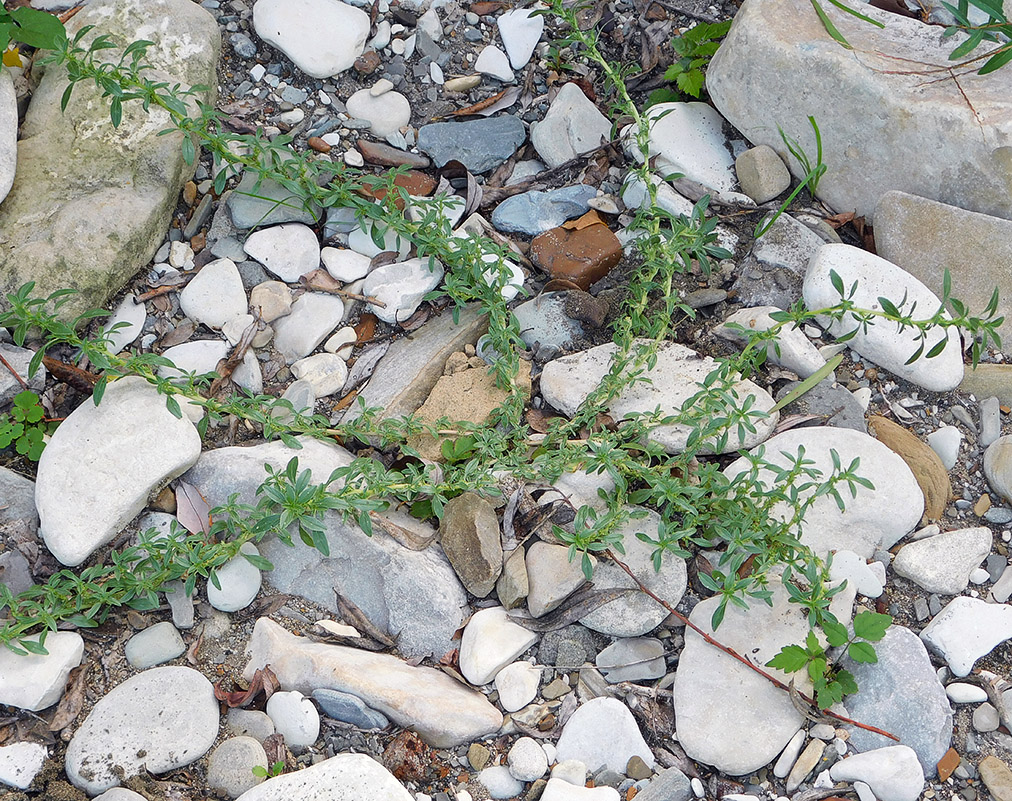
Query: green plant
point(30, 27)
point(813, 173)
point(693, 51)
point(831, 682)
point(264, 773)
point(25, 426)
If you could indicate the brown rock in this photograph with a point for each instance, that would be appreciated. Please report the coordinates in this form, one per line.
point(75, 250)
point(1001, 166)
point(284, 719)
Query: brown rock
point(318, 144)
point(989, 380)
point(407, 757)
point(513, 586)
point(189, 193)
point(478, 756)
point(637, 769)
point(469, 535)
point(997, 777)
point(582, 255)
point(367, 63)
point(982, 505)
point(378, 153)
point(415, 183)
point(923, 462)
point(948, 763)
point(585, 308)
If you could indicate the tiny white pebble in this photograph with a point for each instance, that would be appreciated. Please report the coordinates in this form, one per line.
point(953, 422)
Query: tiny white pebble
point(980, 576)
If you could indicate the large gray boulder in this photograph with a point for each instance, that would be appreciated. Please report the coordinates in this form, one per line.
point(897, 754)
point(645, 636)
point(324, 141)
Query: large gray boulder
point(90, 203)
point(890, 104)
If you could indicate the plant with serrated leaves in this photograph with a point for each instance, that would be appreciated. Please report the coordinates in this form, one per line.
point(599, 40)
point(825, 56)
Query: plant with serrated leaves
point(693, 50)
point(830, 681)
point(24, 428)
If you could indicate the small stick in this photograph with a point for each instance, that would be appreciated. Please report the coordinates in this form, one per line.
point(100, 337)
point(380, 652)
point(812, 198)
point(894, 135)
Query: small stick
point(732, 653)
point(14, 372)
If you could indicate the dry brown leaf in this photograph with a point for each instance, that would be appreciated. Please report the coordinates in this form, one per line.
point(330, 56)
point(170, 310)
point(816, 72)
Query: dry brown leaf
point(194, 649)
point(192, 509)
point(72, 702)
point(365, 328)
point(490, 105)
point(539, 420)
point(320, 281)
point(561, 285)
point(178, 335)
point(585, 221)
point(354, 616)
point(416, 320)
point(79, 379)
point(264, 681)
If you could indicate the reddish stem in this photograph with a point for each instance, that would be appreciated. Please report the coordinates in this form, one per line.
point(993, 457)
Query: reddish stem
point(734, 654)
point(14, 372)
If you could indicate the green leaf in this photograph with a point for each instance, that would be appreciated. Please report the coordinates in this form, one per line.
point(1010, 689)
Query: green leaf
point(862, 652)
point(99, 390)
point(846, 681)
point(791, 659)
point(997, 61)
point(257, 561)
point(836, 633)
point(871, 625)
point(173, 406)
point(816, 669)
point(116, 111)
point(34, 647)
point(189, 151)
point(827, 23)
point(38, 29)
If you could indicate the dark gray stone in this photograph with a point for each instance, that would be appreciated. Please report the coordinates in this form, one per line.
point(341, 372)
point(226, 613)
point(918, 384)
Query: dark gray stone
point(567, 646)
point(838, 404)
point(772, 273)
point(19, 521)
point(480, 145)
point(349, 708)
point(668, 785)
point(543, 321)
point(243, 45)
point(534, 212)
point(902, 694)
point(267, 204)
point(995, 565)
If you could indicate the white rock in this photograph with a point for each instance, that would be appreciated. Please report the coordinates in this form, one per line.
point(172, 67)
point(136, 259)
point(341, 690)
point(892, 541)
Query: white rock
point(980, 576)
point(387, 113)
point(128, 312)
point(499, 782)
point(326, 372)
point(883, 342)
point(156, 721)
point(249, 723)
point(635, 196)
point(342, 342)
point(527, 760)
point(8, 133)
point(198, 356)
point(943, 563)
point(998, 466)
point(572, 126)
point(515, 277)
point(344, 264)
point(361, 240)
point(239, 582)
point(493, 61)
point(849, 567)
point(35, 681)
point(632, 659)
point(789, 755)
point(321, 37)
point(572, 771)
point(295, 717)
point(20, 763)
point(154, 645)
point(520, 31)
point(248, 374)
point(985, 718)
point(960, 693)
point(345, 777)
point(581, 736)
point(236, 327)
point(517, 685)
point(313, 316)
point(877, 518)
point(489, 643)
point(272, 299)
point(945, 442)
point(583, 489)
point(559, 790)
point(382, 37)
point(214, 295)
point(108, 459)
point(430, 24)
point(566, 383)
point(552, 576)
point(688, 138)
point(401, 287)
point(289, 251)
point(796, 352)
point(181, 255)
point(893, 773)
point(442, 711)
point(967, 629)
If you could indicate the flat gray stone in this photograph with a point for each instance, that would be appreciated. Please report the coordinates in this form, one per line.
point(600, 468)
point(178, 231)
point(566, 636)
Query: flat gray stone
point(543, 321)
point(480, 145)
point(581, 737)
point(632, 659)
point(19, 359)
point(19, 521)
point(967, 629)
point(772, 272)
point(349, 708)
point(157, 721)
point(103, 463)
point(901, 694)
point(93, 220)
point(535, 212)
point(267, 204)
point(154, 645)
point(838, 404)
point(668, 785)
point(943, 563)
point(230, 766)
point(572, 126)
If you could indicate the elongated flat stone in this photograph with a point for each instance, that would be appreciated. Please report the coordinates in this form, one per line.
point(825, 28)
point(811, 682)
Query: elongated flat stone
point(345, 777)
point(443, 712)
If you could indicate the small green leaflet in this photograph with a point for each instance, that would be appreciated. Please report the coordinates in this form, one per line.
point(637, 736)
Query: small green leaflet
point(871, 625)
point(791, 659)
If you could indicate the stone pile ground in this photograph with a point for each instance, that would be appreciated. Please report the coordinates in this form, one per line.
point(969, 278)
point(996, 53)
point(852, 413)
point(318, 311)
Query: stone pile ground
point(463, 702)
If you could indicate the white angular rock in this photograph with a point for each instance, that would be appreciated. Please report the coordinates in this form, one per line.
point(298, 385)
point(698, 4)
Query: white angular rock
point(883, 342)
point(289, 251)
point(572, 126)
point(345, 777)
point(517, 685)
point(636, 196)
point(215, 295)
point(127, 731)
point(312, 318)
point(444, 713)
point(238, 582)
point(8, 133)
point(945, 442)
point(893, 773)
point(344, 264)
point(386, 113)
point(632, 659)
point(876, 518)
point(490, 642)
point(401, 287)
point(36, 681)
point(571, 771)
point(342, 342)
point(326, 372)
point(740, 732)
point(559, 790)
point(675, 379)
point(295, 717)
point(848, 566)
point(581, 737)
point(20, 763)
point(103, 462)
point(969, 165)
point(493, 61)
point(520, 31)
point(321, 37)
point(796, 351)
point(133, 315)
point(967, 629)
point(943, 563)
point(527, 760)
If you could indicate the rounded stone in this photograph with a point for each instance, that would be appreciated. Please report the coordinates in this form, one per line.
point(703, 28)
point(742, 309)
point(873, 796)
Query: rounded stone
point(238, 582)
point(295, 717)
point(527, 760)
point(998, 466)
point(386, 113)
point(230, 766)
point(153, 646)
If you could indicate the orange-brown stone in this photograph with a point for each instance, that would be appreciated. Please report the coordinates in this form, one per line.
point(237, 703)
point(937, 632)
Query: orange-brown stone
point(581, 255)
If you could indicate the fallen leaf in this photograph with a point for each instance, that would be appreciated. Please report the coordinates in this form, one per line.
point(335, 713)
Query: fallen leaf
point(354, 616)
point(194, 649)
point(561, 285)
point(79, 379)
point(365, 364)
point(405, 536)
point(264, 681)
point(136, 620)
point(365, 328)
point(192, 509)
point(320, 281)
point(584, 221)
point(490, 105)
point(539, 420)
point(576, 607)
point(72, 702)
point(178, 335)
